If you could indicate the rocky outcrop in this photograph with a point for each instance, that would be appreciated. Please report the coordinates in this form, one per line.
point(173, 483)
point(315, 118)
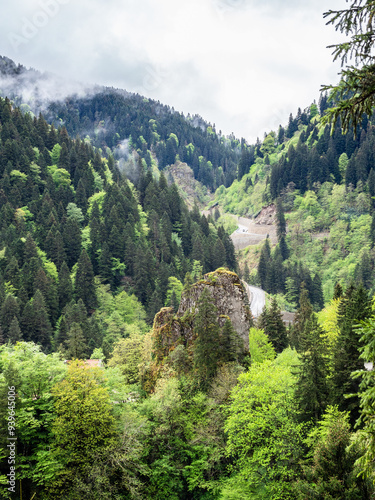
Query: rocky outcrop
point(191, 190)
point(267, 216)
point(228, 295)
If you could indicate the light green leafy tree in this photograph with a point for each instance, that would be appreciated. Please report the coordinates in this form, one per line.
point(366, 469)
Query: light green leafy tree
point(263, 437)
point(74, 212)
point(55, 154)
point(33, 374)
point(175, 288)
point(260, 347)
point(127, 355)
point(84, 427)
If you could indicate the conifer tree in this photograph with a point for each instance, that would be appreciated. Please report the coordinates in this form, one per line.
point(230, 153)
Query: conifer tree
point(61, 335)
point(246, 273)
point(14, 333)
point(115, 243)
point(246, 160)
point(355, 306)
point(264, 261)
point(154, 305)
point(271, 322)
point(57, 251)
point(12, 272)
point(301, 318)
point(84, 286)
point(28, 274)
point(317, 293)
point(230, 255)
point(280, 220)
point(354, 94)
point(363, 270)
point(35, 323)
point(332, 471)
point(72, 241)
point(207, 344)
point(76, 343)
point(105, 264)
point(372, 230)
point(188, 282)
point(338, 292)
point(291, 291)
point(311, 390)
point(65, 286)
point(9, 309)
point(231, 343)
point(49, 291)
point(283, 247)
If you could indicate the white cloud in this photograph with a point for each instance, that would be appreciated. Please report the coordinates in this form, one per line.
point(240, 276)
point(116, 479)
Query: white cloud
point(243, 64)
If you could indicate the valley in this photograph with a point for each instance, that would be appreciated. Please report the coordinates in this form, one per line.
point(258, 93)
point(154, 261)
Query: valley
point(182, 312)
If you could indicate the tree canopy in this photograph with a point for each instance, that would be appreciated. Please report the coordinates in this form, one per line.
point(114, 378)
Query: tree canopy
point(354, 95)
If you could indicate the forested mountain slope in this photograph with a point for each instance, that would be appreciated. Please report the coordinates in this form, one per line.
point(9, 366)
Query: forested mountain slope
point(323, 185)
point(67, 215)
point(185, 408)
point(122, 122)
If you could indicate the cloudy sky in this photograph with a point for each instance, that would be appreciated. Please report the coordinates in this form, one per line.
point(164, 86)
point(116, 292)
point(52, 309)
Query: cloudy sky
point(244, 65)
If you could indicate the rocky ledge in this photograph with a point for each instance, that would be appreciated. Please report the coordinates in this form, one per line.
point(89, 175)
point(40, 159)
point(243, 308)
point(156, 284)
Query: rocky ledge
point(230, 299)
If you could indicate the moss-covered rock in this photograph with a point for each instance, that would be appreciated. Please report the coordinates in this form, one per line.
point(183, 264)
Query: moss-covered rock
point(230, 299)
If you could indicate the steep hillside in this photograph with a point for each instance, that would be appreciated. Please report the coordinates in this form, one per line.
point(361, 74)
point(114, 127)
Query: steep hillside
point(191, 190)
point(121, 122)
point(68, 215)
point(324, 184)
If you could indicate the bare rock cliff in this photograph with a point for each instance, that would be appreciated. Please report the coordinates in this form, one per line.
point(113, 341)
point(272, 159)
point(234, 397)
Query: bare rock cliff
point(228, 295)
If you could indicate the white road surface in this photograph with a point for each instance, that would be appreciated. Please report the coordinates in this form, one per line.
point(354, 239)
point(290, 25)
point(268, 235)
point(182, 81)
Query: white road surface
point(257, 299)
point(257, 296)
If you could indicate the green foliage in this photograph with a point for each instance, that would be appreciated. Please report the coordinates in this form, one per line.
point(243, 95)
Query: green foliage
point(228, 222)
point(55, 154)
point(84, 285)
point(127, 354)
point(76, 343)
point(312, 388)
point(260, 348)
point(60, 176)
point(16, 174)
point(331, 472)
point(366, 435)
point(33, 374)
point(263, 437)
point(121, 314)
point(112, 441)
point(206, 349)
point(175, 288)
point(354, 94)
point(84, 427)
point(74, 212)
point(355, 306)
point(271, 322)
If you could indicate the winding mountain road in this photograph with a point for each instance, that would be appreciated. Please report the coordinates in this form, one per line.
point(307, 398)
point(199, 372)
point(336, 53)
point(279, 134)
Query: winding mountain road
point(257, 299)
point(249, 232)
